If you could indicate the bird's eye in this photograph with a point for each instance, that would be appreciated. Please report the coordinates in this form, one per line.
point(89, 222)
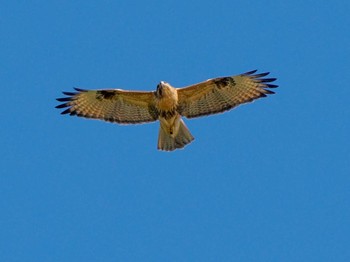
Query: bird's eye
point(159, 89)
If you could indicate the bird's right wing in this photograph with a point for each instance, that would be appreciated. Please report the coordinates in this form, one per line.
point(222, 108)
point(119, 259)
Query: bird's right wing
point(113, 105)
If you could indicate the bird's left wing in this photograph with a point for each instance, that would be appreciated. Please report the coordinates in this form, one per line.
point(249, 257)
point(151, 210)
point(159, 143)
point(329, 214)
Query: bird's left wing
point(221, 94)
point(114, 105)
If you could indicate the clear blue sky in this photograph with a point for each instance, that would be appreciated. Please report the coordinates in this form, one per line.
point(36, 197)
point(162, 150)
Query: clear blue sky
point(268, 181)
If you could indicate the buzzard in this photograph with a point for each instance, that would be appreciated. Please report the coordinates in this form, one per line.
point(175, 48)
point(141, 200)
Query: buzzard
point(168, 104)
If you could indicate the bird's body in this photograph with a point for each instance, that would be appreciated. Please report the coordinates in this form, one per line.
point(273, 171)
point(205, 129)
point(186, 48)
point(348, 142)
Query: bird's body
point(168, 104)
point(173, 132)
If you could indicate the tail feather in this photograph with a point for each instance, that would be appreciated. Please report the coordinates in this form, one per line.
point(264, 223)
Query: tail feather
point(169, 143)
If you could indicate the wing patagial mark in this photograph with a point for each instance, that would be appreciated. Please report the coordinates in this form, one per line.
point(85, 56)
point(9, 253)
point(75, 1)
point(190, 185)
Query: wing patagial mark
point(224, 82)
point(105, 94)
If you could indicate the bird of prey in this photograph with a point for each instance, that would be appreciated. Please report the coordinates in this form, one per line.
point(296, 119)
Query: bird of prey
point(168, 104)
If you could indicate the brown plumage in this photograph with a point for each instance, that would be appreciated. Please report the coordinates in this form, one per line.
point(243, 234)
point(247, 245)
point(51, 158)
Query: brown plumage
point(167, 104)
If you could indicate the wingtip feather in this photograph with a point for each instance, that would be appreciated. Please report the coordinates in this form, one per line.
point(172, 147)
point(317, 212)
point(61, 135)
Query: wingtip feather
point(79, 89)
point(269, 92)
point(267, 80)
point(69, 93)
point(261, 75)
point(271, 86)
point(250, 72)
point(67, 111)
point(61, 106)
point(64, 99)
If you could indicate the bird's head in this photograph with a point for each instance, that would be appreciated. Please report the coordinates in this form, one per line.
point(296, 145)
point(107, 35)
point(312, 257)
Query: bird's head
point(162, 87)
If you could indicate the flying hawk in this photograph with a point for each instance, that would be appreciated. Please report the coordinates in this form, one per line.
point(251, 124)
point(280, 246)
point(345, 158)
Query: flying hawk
point(168, 104)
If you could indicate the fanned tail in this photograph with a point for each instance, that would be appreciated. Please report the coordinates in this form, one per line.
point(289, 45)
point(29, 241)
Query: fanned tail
point(169, 143)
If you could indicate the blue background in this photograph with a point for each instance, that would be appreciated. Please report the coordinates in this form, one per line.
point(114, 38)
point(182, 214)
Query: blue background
point(268, 181)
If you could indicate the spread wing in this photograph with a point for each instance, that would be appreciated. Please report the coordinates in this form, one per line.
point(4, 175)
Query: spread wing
point(115, 105)
point(221, 94)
